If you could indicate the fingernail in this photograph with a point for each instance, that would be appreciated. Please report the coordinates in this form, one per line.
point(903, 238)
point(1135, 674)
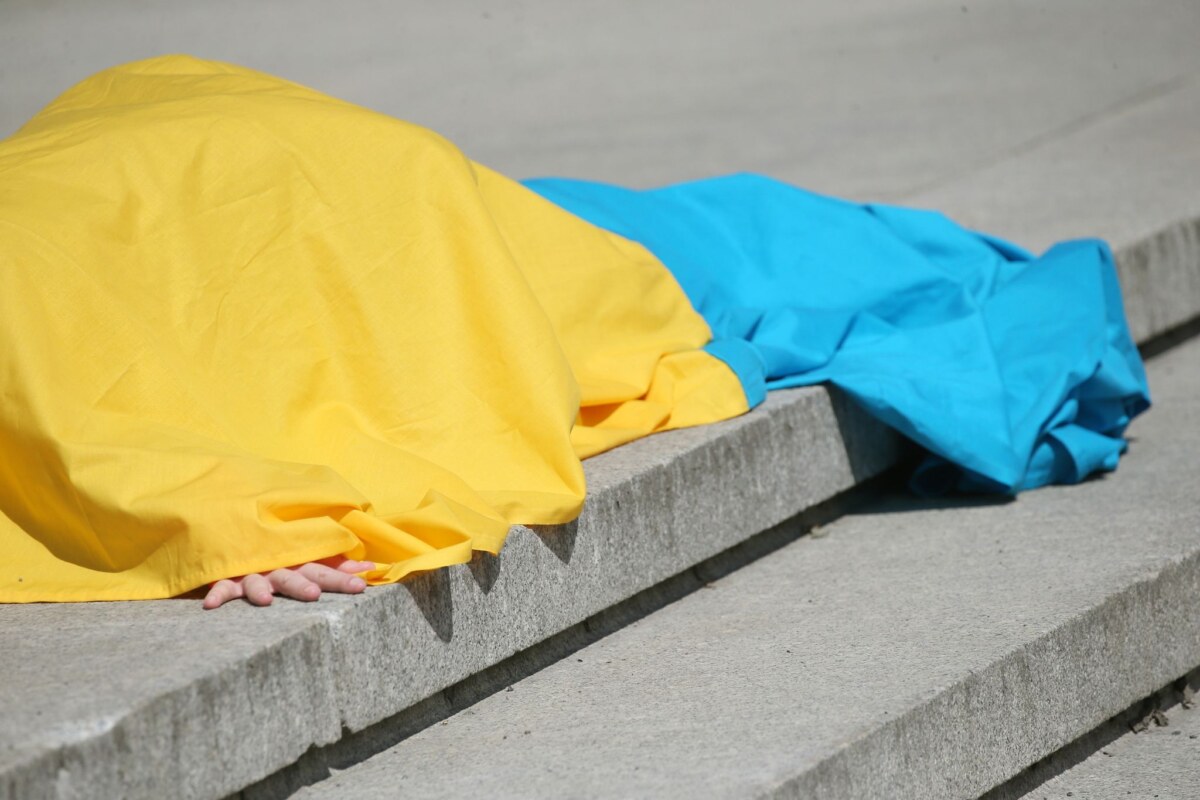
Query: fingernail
point(357, 584)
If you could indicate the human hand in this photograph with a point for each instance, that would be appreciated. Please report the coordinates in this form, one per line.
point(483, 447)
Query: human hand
point(302, 582)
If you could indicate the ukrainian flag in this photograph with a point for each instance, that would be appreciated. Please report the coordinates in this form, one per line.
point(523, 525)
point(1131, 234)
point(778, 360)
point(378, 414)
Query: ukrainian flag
point(244, 325)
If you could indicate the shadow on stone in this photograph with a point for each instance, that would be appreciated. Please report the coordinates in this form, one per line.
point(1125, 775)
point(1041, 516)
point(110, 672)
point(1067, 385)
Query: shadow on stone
point(871, 447)
point(862, 435)
point(902, 501)
point(319, 763)
point(485, 569)
point(559, 539)
point(431, 592)
point(1170, 338)
point(1094, 741)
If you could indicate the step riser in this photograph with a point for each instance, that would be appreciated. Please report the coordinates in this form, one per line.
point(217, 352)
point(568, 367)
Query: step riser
point(912, 649)
point(658, 507)
point(1160, 279)
point(687, 500)
point(1021, 709)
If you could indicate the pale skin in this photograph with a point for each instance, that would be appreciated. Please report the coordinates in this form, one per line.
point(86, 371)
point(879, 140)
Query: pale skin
point(302, 582)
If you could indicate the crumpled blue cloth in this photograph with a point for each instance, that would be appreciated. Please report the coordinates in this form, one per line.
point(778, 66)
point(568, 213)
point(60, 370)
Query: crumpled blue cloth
point(1013, 371)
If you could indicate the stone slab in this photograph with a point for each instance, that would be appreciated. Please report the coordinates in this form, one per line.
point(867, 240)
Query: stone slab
point(917, 649)
point(1160, 280)
point(1134, 167)
point(885, 100)
point(89, 694)
point(1011, 117)
point(655, 509)
point(140, 699)
point(1131, 166)
point(1150, 750)
point(871, 100)
point(1154, 757)
point(146, 700)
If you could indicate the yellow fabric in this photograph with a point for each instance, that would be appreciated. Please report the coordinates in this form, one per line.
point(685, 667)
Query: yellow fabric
point(245, 325)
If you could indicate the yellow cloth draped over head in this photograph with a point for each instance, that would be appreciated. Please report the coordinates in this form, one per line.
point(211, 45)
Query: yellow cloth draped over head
point(244, 325)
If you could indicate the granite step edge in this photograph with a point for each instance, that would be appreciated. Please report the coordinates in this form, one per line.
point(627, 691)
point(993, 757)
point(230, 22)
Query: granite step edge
point(659, 492)
point(951, 646)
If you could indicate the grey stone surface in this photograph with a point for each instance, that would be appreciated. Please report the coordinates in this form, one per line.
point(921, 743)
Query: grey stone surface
point(1121, 173)
point(1012, 117)
point(1160, 279)
point(989, 111)
point(874, 99)
point(146, 699)
point(655, 508)
point(915, 650)
point(1161, 761)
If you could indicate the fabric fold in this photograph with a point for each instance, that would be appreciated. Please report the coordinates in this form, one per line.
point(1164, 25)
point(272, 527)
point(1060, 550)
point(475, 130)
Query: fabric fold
point(978, 351)
point(244, 325)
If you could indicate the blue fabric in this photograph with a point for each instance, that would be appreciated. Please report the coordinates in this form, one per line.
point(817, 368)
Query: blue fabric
point(742, 357)
point(1012, 371)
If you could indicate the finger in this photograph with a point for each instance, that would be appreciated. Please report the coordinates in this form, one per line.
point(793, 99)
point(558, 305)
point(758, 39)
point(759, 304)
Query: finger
point(333, 580)
point(291, 583)
point(258, 590)
point(345, 564)
point(221, 593)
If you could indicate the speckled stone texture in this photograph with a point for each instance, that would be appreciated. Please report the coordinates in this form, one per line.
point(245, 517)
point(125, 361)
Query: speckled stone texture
point(894, 100)
point(1161, 760)
point(1160, 277)
point(1012, 117)
point(914, 650)
point(656, 508)
point(140, 699)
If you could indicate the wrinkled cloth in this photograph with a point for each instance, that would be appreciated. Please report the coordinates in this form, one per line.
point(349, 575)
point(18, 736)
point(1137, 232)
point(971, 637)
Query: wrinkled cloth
point(1012, 371)
point(244, 325)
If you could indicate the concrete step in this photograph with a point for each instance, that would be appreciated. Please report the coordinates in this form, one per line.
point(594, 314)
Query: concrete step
point(135, 699)
point(101, 688)
point(915, 649)
point(1152, 750)
point(93, 690)
point(139, 700)
point(1162, 761)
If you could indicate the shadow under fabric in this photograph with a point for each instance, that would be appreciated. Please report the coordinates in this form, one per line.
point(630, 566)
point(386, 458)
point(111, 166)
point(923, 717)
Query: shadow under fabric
point(244, 325)
point(1012, 371)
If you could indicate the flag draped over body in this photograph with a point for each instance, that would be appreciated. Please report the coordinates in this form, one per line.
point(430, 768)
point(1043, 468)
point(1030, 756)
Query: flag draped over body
point(1012, 371)
point(244, 325)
